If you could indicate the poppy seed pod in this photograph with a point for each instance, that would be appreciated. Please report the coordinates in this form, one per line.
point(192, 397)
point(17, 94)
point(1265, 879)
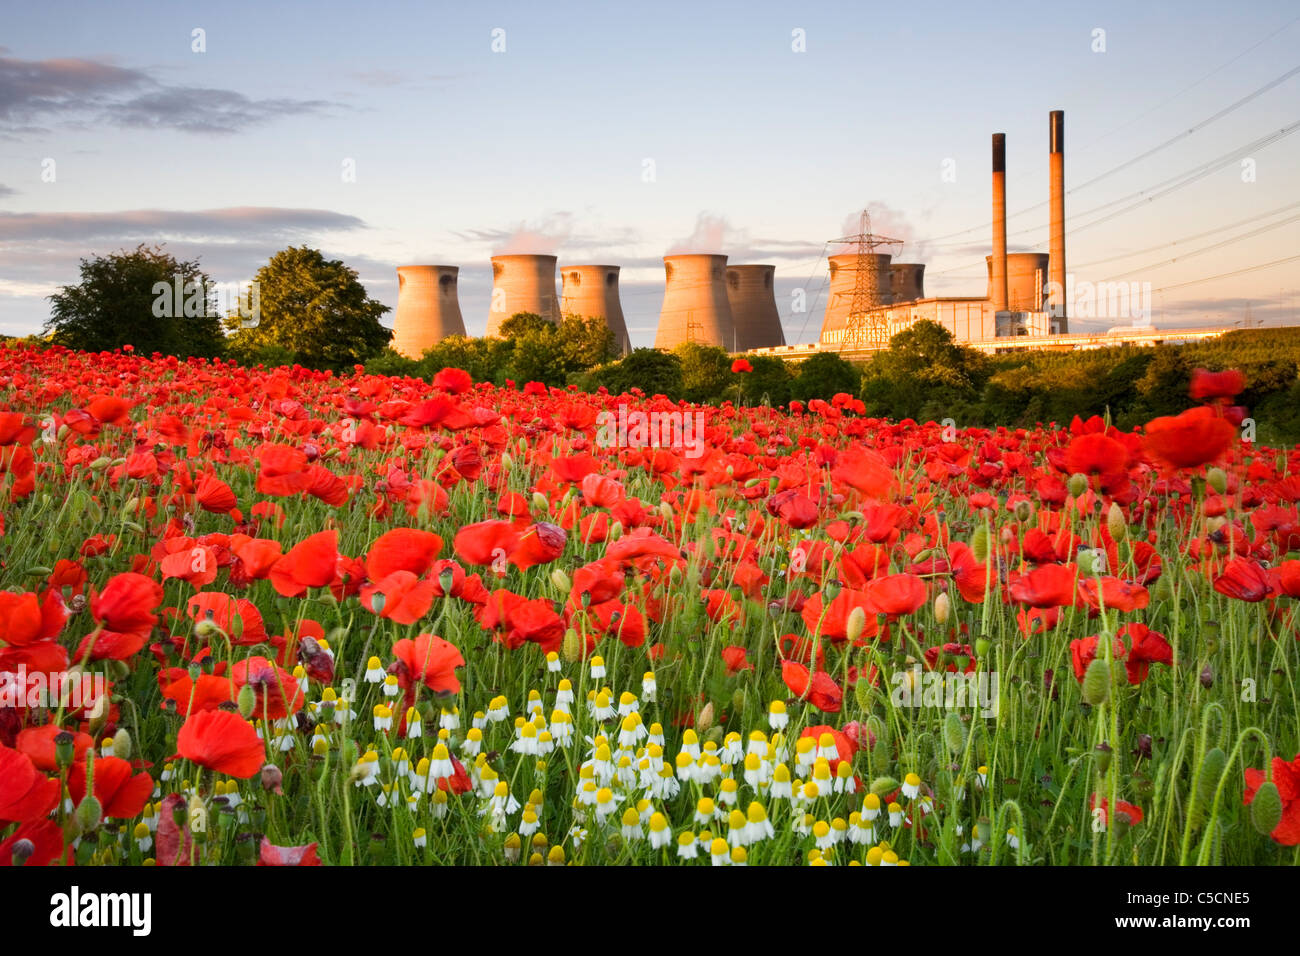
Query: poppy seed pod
point(615, 531)
point(1217, 480)
point(64, 749)
point(506, 461)
point(1115, 523)
point(1103, 752)
point(1207, 677)
point(1266, 808)
point(1077, 485)
point(22, 851)
point(1096, 682)
point(1024, 511)
point(979, 543)
point(862, 694)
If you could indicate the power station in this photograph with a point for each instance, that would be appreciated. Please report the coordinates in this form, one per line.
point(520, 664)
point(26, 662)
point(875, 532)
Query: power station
point(696, 307)
point(428, 309)
point(522, 284)
point(751, 292)
point(591, 292)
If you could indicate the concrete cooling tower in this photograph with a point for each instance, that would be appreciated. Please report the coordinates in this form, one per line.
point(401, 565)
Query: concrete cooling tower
point(907, 281)
point(428, 309)
point(1026, 275)
point(522, 284)
point(592, 292)
point(696, 308)
point(751, 292)
point(844, 277)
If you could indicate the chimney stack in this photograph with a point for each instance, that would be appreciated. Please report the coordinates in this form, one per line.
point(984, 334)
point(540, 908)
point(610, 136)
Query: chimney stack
point(998, 283)
point(1056, 243)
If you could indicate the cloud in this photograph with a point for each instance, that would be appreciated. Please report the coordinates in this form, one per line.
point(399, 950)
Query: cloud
point(539, 239)
point(7, 190)
point(710, 235)
point(241, 222)
point(83, 91)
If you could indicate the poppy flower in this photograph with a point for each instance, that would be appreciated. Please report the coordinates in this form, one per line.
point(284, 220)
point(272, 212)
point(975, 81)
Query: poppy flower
point(45, 838)
point(1287, 778)
point(1145, 647)
point(734, 658)
point(239, 618)
point(214, 495)
point(121, 794)
point(1193, 438)
point(1083, 651)
point(1213, 385)
point(402, 549)
point(896, 594)
point(400, 597)
point(309, 564)
point(540, 543)
point(1244, 580)
point(1097, 454)
point(821, 691)
point(126, 604)
point(453, 380)
point(865, 471)
point(268, 854)
point(432, 661)
point(222, 741)
point(487, 543)
point(1117, 594)
point(26, 618)
point(38, 744)
point(26, 794)
point(741, 365)
point(277, 694)
point(1134, 813)
point(1051, 585)
point(192, 696)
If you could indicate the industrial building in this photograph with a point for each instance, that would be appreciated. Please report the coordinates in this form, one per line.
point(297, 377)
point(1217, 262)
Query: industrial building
point(428, 308)
point(696, 307)
point(751, 292)
point(592, 292)
point(522, 283)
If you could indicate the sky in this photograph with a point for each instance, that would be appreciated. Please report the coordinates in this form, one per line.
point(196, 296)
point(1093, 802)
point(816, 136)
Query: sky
point(387, 134)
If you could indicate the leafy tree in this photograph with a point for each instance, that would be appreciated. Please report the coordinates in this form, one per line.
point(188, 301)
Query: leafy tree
point(317, 309)
point(129, 298)
point(769, 383)
point(652, 371)
point(486, 360)
point(924, 370)
point(585, 341)
point(541, 351)
point(824, 375)
point(706, 372)
point(522, 323)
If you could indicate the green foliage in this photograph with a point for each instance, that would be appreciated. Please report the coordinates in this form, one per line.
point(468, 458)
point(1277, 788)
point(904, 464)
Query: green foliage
point(392, 362)
point(128, 298)
point(706, 372)
point(317, 309)
point(923, 374)
point(823, 376)
point(485, 359)
point(769, 383)
point(652, 371)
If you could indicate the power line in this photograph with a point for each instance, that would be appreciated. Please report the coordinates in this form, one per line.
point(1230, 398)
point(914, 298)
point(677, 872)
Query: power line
point(1209, 248)
point(1228, 275)
point(1199, 235)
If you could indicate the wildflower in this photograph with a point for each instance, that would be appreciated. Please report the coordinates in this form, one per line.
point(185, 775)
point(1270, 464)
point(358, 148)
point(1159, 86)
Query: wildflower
point(553, 663)
point(687, 846)
point(600, 706)
point(366, 771)
point(705, 811)
point(727, 791)
point(479, 720)
point(719, 853)
point(826, 748)
point(632, 731)
point(895, 815)
point(739, 856)
point(804, 754)
point(632, 825)
point(511, 848)
point(845, 782)
point(691, 743)
point(420, 838)
point(438, 803)
point(656, 735)
point(822, 834)
point(534, 704)
point(525, 741)
point(875, 856)
point(981, 777)
point(911, 786)
point(564, 695)
point(839, 829)
point(758, 827)
point(781, 786)
point(561, 727)
point(449, 719)
point(383, 718)
point(497, 709)
point(777, 716)
point(597, 668)
point(374, 671)
point(627, 703)
point(605, 804)
point(732, 749)
point(391, 686)
point(414, 724)
point(821, 778)
point(860, 829)
point(660, 834)
point(737, 828)
point(648, 686)
point(1013, 840)
point(142, 836)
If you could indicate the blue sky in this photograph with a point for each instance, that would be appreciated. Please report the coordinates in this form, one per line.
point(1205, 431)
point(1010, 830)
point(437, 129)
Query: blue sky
point(756, 150)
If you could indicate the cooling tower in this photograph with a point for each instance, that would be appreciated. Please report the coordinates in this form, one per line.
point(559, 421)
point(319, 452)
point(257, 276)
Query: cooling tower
point(1056, 242)
point(998, 277)
point(1025, 277)
point(751, 291)
point(522, 284)
point(592, 292)
point(695, 305)
point(906, 281)
point(428, 309)
point(844, 275)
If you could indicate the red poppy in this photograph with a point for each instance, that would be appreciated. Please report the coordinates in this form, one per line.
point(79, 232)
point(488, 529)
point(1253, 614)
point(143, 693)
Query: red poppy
point(222, 741)
point(1193, 438)
point(277, 694)
point(45, 839)
point(896, 594)
point(1052, 585)
point(214, 495)
point(1287, 778)
point(1096, 453)
point(734, 658)
point(486, 543)
point(399, 596)
point(207, 693)
point(741, 365)
point(1244, 580)
point(431, 660)
point(26, 794)
point(1118, 595)
point(126, 604)
point(1083, 651)
point(1146, 647)
point(845, 745)
point(26, 619)
point(1206, 384)
point(1134, 813)
point(453, 380)
point(38, 744)
point(268, 854)
point(821, 691)
point(540, 543)
point(309, 564)
point(239, 618)
point(402, 549)
point(121, 794)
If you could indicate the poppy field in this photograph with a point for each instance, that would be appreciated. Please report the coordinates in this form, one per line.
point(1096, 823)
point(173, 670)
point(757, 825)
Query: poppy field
point(293, 617)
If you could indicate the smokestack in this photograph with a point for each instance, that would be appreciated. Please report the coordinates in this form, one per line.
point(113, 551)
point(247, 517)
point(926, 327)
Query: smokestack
point(998, 286)
point(906, 281)
point(522, 284)
point(592, 293)
point(844, 281)
point(695, 306)
point(428, 309)
point(751, 292)
point(1056, 243)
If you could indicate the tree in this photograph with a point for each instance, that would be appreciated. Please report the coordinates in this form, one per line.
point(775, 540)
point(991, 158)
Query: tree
point(542, 351)
point(317, 309)
point(706, 372)
point(824, 375)
point(923, 369)
point(652, 371)
point(145, 299)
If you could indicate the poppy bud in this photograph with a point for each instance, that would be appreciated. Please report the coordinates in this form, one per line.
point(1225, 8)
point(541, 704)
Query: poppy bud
point(862, 694)
point(100, 463)
point(1024, 511)
point(1207, 781)
point(89, 813)
point(1115, 523)
point(666, 511)
point(507, 462)
point(1096, 682)
point(855, 625)
point(122, 743)
point(1162, 589)
point(1207, 677)
point(272, 778)
point(883, 785)
point(246, 700)
point(982, 647)
point(1217, 480)
point(1215, 523)
point(541, 502)
point(738, 701)
point(1103, 755)
point(561, 582)
point(705, 719)
point(1077, 485)
point(954, 733)
point(615, 531)
point(979, 543)
point(1266, 808)
point(831, 589)
point(942, 605)
point(571, 648)
point(22, 851)
point(1092, 561)
point(64, 749)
